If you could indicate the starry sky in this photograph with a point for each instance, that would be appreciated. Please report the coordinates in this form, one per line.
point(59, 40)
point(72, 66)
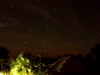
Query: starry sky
point(50, 27)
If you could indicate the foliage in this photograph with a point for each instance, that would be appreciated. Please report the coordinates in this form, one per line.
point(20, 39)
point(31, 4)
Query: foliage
point(22, 65)
point(95, 51)
point(25, 64)
point(5, 59)
point(39, 66)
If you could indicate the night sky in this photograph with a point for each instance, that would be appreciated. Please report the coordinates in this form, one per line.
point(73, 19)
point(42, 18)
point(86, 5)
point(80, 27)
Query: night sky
point(50, 27)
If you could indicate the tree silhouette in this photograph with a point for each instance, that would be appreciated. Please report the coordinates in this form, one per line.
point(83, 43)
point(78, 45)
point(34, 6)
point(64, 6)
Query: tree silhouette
point(95, 51)
point(38, 65)
point(93, 58)
point(4, 59)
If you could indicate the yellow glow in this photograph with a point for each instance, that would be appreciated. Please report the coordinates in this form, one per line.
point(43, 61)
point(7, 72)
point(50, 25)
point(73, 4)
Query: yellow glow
point(23, 66)
point(1, 74)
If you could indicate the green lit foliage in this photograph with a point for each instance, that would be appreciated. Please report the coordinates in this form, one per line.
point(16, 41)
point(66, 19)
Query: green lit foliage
point(21, 66)
point(25, 64)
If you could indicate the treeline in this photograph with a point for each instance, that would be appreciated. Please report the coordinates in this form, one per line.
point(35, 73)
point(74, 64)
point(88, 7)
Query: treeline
point(92, 59)
point(24, 63)
point(29, 64)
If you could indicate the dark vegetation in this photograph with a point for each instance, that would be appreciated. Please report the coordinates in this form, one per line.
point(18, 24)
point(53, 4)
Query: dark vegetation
point(39, 63)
